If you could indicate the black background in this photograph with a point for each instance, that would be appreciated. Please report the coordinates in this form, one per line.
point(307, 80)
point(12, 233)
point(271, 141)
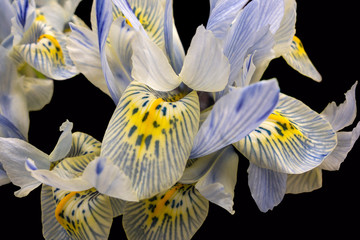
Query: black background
point(329, 34)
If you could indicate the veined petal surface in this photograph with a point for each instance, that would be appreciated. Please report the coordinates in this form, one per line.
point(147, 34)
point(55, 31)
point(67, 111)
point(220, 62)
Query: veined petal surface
point(44, 49)
point(267, 187)
point(297, 58)
point(24, 17)
point(294, 139)
point(150, 136)
point(174, 214)
point(234, 116)
point(84, 215)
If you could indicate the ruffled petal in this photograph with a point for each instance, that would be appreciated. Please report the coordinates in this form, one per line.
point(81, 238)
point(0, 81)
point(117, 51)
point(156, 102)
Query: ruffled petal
point(346, 141)
point(294, 139)
point(150, 136)
point(299, 60)
point(343, 115)
point(44, 49)
point(267, 187)
point(205, 66)
point(234, 116)
point(305, 182)
point(86, 214)
point(174, 214)
point(151, 66)
point(67, 174)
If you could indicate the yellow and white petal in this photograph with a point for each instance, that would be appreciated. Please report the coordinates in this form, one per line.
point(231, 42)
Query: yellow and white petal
point(150, 137)
point(305, 182)
point(84, 215)
point(174, 214)
point(294, 139)
point(52, 229)
point(44, 49)
point(297, 58)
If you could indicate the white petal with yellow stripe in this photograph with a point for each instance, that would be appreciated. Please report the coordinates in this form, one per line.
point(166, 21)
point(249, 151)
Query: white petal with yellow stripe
point(44, 48)
point(150, 137)
point(294, 139)
point(297, 58)
point(174, 214)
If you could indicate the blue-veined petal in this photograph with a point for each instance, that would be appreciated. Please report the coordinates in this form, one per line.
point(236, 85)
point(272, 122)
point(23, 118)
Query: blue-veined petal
point(267, 187)
point(38, 92)
point(67, 174)
point(127, 10)
point(120, 51)
point(150, 136)
point(294, 139)
point(286, 31)
point(23, 19)
point(305, 182)
point(84, 215)
point(218, 184)
point(52, 229)
point(234, 116)
point(297, 58)
point(151, 66)
point(6, 14)
point(222, 15)
point(173, 46)
point(44, 49)
point(346, 141)
point(84, 50)
point(104, 18)
point(253, 27)
point(150, 14)
point(174, 214)
point(205, 66)
point(343, 115)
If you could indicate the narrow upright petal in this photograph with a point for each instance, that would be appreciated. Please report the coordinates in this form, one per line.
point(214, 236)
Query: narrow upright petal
point(234, 116)
point(151, 66)
point(84, 50)
point(173, 214)
point(205, 66)
point(150, 136)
